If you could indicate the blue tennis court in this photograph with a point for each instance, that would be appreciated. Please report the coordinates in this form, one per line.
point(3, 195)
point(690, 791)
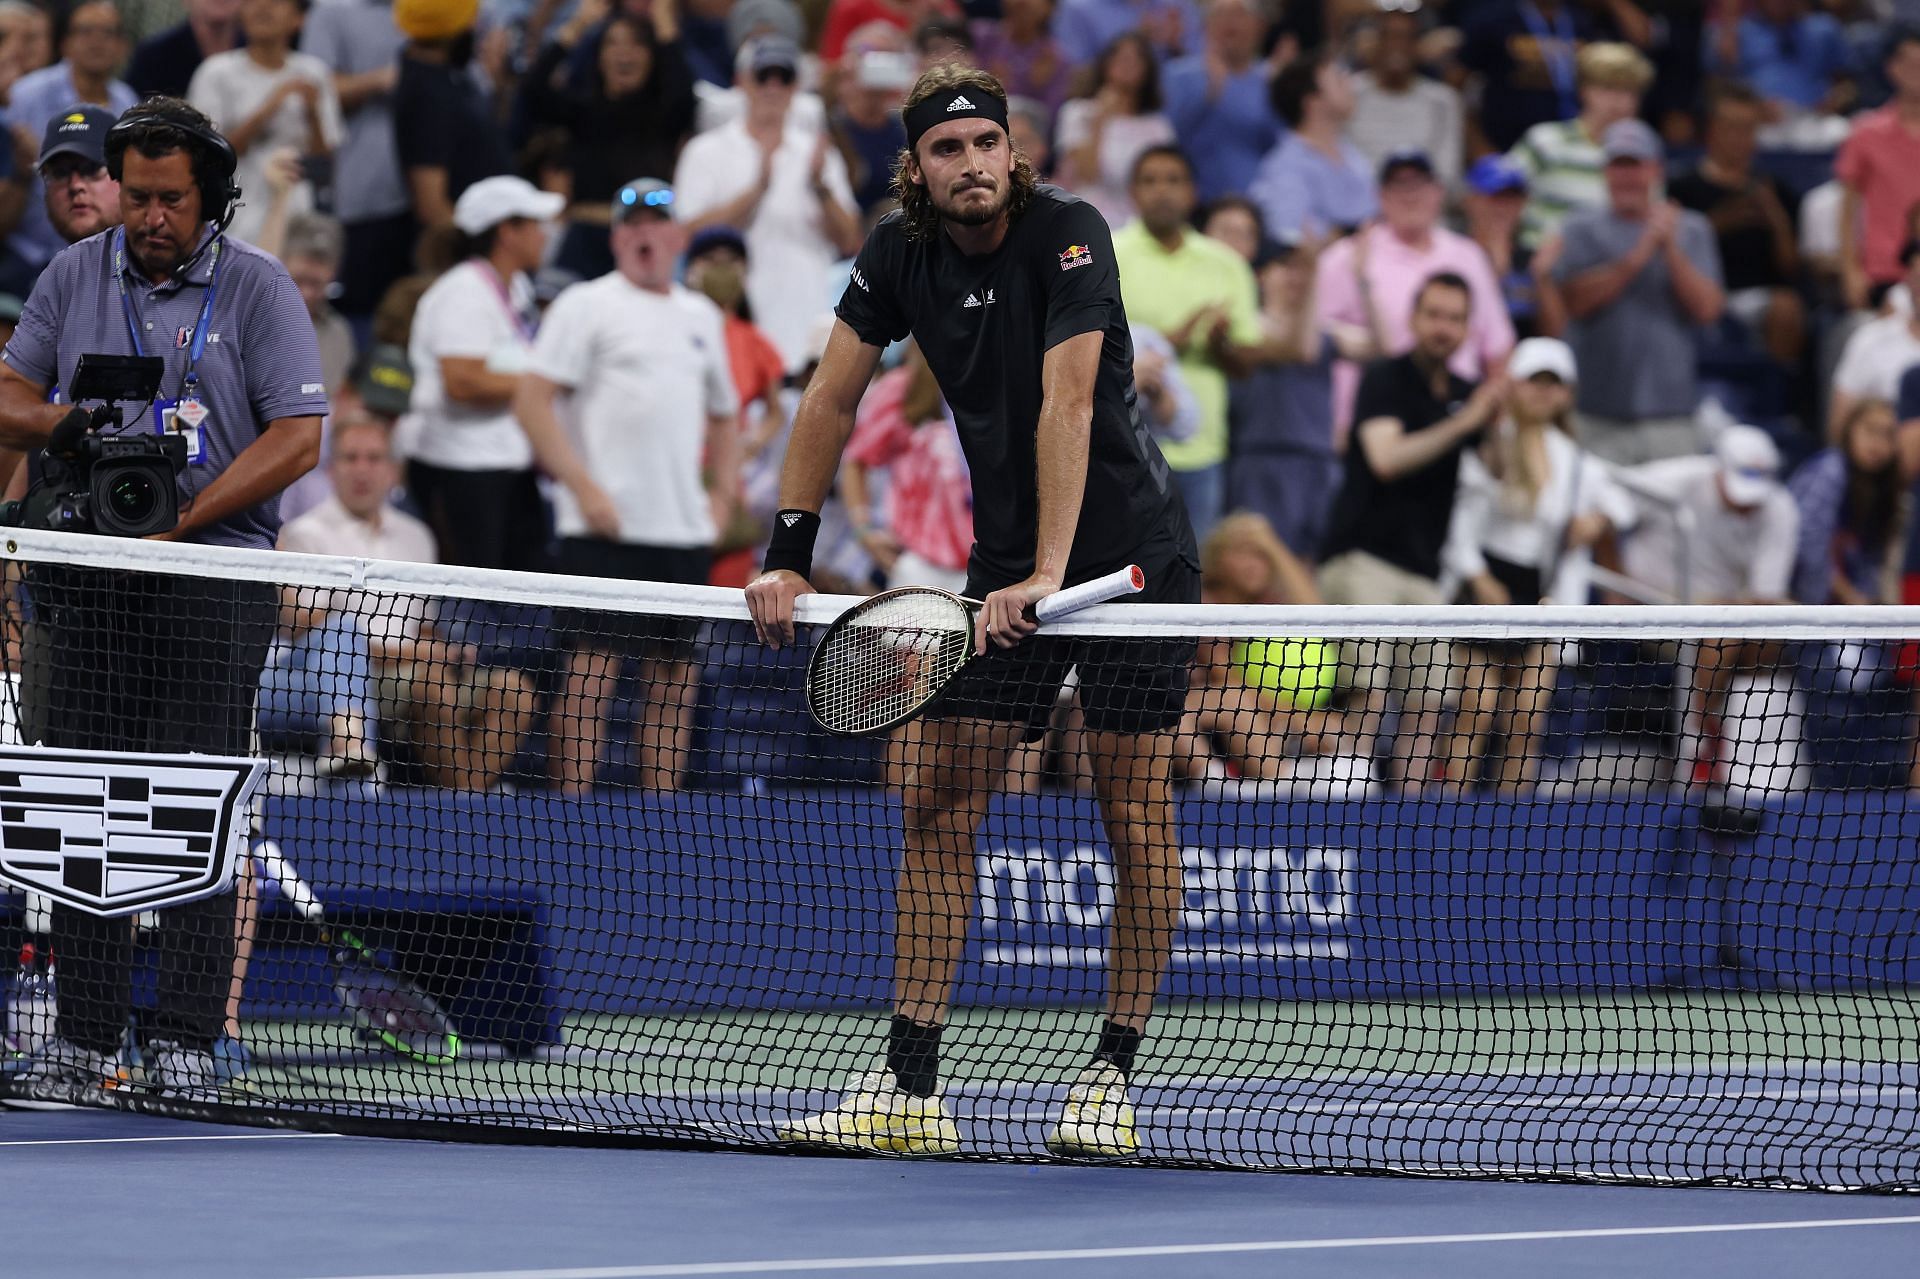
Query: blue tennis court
point(116, 1194)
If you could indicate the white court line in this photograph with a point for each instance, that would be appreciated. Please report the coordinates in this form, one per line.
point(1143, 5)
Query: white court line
point(917, 1260)
point(211, 1136)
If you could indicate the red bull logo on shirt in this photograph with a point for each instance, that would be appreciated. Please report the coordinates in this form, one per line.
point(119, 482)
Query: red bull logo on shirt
point(1076, 255)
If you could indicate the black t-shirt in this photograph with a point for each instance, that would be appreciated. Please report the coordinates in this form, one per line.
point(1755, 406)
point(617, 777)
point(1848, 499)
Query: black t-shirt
point(164, 63)
point(1741, 227)
point(612, 141)
point(1403, 521)
point(440, 121)
point(985, 325)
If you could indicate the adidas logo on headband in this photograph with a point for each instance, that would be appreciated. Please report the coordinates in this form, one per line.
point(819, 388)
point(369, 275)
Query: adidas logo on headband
point(960, 104)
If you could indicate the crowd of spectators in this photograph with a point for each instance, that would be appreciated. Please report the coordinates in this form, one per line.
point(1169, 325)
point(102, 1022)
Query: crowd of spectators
point(1497, 301)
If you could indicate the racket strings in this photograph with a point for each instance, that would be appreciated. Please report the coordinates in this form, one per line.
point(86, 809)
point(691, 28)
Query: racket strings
point(888, 659)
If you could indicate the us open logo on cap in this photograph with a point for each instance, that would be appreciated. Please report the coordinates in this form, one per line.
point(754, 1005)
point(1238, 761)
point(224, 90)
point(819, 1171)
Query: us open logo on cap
point(113, 833)
point(960, 104)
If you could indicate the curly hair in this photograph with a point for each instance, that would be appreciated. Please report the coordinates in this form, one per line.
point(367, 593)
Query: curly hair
point(916, 205)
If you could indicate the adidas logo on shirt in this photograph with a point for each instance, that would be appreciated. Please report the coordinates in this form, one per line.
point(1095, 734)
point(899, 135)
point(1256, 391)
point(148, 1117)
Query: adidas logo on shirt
point(959, 104)
point(971, 301)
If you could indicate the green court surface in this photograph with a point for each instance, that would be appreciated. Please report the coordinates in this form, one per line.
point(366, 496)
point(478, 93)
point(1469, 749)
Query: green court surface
point(816, 1050)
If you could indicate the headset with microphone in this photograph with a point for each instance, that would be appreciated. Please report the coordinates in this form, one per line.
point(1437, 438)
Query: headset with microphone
point(214, 160)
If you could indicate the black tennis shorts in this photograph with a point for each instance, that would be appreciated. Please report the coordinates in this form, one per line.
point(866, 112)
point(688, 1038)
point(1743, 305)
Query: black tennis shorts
point(1126, 685)
point(667, 639)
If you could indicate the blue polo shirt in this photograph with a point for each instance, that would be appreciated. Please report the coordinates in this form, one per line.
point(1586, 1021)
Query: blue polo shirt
point(261, 360)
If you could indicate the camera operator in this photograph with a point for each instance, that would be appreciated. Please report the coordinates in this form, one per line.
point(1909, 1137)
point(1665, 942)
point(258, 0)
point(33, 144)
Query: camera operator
point(143, 662)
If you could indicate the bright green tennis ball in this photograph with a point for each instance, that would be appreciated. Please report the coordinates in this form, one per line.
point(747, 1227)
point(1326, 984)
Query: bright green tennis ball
point(1300, 672)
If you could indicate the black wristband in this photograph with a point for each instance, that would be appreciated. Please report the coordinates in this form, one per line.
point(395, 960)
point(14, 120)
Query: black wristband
point(792, 545)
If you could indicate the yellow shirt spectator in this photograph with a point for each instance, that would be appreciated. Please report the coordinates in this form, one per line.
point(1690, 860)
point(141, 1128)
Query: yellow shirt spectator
point(1165, 290)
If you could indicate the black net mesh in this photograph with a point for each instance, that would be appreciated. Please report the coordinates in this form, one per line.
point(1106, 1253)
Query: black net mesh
point(555, 859)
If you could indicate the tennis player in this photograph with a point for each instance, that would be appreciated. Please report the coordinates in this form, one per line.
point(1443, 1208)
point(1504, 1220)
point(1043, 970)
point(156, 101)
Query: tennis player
point(1010, 289)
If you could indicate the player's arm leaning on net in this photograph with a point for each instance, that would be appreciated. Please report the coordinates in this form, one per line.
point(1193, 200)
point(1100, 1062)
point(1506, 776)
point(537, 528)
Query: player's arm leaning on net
point(820, 432)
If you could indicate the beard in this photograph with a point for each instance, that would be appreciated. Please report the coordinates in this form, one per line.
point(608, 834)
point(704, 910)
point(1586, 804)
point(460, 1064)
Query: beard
point(973, 215)
point(155, 261)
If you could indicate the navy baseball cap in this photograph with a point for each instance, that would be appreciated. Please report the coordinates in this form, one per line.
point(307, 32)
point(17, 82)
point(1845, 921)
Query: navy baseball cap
point(710, 238)
point(81, 131)
point(1406, 158)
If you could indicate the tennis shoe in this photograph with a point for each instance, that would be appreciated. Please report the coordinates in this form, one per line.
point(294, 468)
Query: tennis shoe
point(179, 1073)
point(61, 1075)
point(877, 1116)
point(1098, 1121)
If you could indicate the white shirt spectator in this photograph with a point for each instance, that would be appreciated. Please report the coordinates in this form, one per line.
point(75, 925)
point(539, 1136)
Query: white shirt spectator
point(790, 257)
point(1425, 118)
point(331, 529)
point(230, 87)
point(646, 370)
point(467, 314)
point(719, 106)
point(1875, 356)
point(1485, 521)
point(1730, 555)
point(1820, 220)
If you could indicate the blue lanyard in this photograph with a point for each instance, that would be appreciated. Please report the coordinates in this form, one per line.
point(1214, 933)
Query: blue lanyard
point(199, 346)
point(1557, 55)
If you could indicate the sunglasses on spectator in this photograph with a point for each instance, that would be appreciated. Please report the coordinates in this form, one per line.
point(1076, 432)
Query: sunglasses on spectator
point(783, 75)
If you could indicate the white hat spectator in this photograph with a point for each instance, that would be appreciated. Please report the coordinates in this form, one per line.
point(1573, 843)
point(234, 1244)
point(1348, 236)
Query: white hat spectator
point(491, 201)
point(1749, 464)
point(1543, 355)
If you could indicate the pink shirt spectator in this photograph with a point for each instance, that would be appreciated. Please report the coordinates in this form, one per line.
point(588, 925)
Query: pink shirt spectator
point(929, 490)
point(1395, 272)
point(1881, 160)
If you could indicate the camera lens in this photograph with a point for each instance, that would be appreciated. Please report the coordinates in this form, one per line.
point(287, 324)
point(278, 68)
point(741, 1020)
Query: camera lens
point(132, 498)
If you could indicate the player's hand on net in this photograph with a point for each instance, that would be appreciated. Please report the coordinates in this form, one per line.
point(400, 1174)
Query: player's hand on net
point(1006, 616)
point(770, 598)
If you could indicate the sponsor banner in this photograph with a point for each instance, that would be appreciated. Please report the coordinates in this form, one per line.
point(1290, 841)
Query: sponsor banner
point(115, 833)
point(785, 901)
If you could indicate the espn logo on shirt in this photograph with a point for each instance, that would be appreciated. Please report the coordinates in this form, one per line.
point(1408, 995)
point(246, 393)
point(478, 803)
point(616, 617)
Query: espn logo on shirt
point(113, 833)
point(1076, 255)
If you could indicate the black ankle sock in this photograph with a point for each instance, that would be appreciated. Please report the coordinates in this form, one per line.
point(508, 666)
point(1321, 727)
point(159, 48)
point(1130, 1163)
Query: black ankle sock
point(1118, 1045)
point(913, 1055)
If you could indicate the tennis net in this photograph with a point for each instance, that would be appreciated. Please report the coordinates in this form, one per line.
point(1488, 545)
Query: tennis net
point(1610, 894)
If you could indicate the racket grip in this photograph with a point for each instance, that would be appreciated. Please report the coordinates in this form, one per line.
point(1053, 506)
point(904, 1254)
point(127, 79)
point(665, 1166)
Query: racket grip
point(1125, 581)
point(294, 888)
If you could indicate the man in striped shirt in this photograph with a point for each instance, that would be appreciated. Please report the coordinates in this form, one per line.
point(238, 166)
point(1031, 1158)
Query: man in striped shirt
point(1562, 158)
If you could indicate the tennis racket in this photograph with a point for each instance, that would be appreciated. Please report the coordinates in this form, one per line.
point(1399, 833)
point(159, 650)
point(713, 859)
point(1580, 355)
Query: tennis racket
point(889, 657)
point(385, 1007)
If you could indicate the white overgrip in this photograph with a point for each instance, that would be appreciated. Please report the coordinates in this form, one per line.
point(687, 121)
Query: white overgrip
point(1122, 581)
